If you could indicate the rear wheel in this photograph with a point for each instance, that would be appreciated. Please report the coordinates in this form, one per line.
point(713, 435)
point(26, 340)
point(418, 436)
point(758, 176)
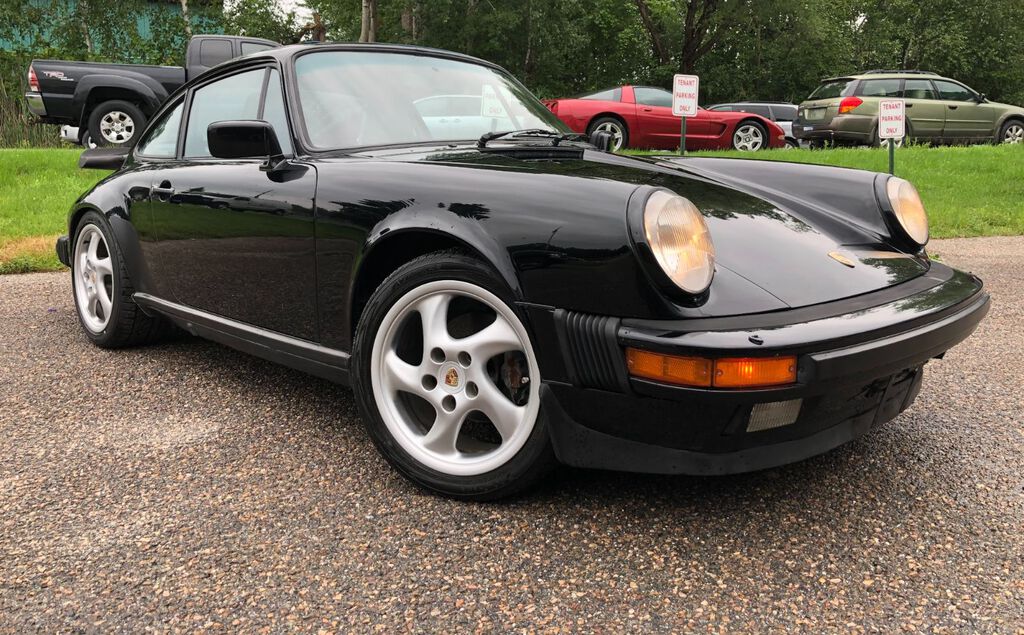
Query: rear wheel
point(615, 127)
point(116, 123)
point(1012, 132)
point(103, 291)
point(750, 136)
point(447, 380)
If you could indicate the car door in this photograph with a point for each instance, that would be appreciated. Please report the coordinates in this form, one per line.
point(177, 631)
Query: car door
point(654, 113)
point(925, 113)
point(966, 116)
point(234, 239)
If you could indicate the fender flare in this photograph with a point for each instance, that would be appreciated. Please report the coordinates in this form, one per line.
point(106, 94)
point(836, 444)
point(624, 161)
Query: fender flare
point(147, 90)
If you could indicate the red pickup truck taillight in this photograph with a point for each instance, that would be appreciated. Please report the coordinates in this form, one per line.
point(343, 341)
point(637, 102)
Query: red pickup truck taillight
point(33, 81)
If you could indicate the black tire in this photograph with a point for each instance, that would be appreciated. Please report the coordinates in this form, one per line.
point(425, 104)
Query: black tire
point(1005, 129)
point(614, 122)
point(765, 141)
point(792, 144)
point(85, 140)
point(127, 325)
point(135, 116)
point(533, 460)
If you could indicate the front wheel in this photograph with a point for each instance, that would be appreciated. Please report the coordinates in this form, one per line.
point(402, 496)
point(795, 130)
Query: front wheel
point(615, 127)
point(750, 136)
point(1012, 132)
point(447, 381)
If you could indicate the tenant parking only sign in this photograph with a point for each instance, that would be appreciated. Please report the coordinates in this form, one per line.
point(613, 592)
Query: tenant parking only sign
point(892, 119)
point(684, 95)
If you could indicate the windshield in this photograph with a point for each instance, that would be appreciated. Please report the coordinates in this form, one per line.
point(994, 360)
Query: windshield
point(353, 99)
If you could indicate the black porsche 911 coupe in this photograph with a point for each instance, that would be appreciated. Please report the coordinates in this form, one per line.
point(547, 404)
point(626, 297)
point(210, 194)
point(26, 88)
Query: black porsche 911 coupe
point(501, 293)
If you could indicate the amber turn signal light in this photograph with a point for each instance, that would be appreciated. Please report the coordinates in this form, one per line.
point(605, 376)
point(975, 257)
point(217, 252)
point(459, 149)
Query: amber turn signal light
point(672, 369)
point(733, 372)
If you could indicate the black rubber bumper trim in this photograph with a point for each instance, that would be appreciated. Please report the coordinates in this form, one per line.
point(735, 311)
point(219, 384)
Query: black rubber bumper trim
point(63, 254)
point(579, 446)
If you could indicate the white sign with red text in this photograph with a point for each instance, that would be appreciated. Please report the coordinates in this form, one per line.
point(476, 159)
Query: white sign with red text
point(892, 119)
point(684, 95)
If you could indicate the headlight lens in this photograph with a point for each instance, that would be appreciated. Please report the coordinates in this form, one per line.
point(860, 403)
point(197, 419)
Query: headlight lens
point(679, 238)
point(909, 209)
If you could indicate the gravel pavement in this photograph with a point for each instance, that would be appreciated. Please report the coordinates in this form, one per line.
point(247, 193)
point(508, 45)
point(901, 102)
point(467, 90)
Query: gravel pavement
point(186, 486)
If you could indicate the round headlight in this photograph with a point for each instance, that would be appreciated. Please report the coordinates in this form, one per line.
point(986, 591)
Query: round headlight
point(680, 241)
point(909, 209)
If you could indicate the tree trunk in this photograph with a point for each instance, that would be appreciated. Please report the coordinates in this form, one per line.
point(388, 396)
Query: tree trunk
point(657, 43)
point(184, 16)
point(368, 32)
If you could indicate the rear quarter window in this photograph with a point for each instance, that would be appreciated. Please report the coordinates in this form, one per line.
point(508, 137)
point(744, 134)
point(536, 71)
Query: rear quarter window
point(832, 88)
point(880, 88)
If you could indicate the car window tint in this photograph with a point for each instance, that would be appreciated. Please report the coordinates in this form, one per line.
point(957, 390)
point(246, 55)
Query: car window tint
point(235, 97)
point(162, 140)
point(652, 96)
point(721, 108)
point(879, 88)
point(612, 94)
point(784, 113)
point(757, 110)
point(953, 92)
point(254, 47)
point(832, 88)
point(274, 112)
point(918, 89)
point(213, 52)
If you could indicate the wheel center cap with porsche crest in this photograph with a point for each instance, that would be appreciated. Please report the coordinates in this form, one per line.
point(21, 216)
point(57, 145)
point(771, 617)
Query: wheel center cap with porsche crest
point(450, 378)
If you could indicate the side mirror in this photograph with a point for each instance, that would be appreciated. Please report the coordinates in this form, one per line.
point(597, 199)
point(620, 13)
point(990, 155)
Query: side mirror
point(244, 139)
point(103, 158)
point(982, 98)
point(602, 140)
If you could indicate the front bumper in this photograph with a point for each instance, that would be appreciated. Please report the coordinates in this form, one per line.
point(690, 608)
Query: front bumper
point(860, 363)
point(35, 104)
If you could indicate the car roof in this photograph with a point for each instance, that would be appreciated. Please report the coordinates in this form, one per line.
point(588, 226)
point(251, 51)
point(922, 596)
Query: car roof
point(753, 103)
point(886, 75)
point(283, 53)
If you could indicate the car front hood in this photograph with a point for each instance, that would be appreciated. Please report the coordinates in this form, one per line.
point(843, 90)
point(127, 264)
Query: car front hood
point(802, 234)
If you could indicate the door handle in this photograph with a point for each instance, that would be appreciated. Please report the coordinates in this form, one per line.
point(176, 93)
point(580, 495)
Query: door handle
point(953, 107)
point(647, 109)
point(163, 192)
point(909, 105)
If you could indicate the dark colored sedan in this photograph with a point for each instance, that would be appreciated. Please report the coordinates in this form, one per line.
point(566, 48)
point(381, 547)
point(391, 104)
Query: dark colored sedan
point(502, 294)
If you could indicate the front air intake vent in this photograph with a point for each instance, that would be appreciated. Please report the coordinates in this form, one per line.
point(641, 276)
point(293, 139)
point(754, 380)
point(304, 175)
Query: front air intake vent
point(594, 355)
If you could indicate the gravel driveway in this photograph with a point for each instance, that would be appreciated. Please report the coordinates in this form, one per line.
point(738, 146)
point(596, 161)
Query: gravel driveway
point(187, 486)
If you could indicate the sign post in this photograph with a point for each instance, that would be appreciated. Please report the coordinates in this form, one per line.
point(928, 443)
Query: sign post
point(892, 125)
point(685, 89)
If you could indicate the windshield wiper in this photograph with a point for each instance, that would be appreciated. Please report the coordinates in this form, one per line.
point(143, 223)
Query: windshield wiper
point(556, 137)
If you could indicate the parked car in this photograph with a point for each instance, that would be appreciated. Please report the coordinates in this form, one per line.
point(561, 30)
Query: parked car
point(513, 295)
point(110, 103)
point(844, 110)
point(781, 113)
point(641, 117)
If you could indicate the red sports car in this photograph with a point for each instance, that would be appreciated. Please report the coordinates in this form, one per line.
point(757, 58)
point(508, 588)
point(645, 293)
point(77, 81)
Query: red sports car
point(641, 117)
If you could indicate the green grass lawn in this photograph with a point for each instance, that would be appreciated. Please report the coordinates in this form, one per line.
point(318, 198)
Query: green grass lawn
point(968, 191)
point(37, 188)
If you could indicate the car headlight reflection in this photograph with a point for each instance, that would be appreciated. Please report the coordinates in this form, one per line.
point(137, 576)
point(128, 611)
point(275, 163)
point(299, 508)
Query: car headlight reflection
point(909, 210)
point(679, 238)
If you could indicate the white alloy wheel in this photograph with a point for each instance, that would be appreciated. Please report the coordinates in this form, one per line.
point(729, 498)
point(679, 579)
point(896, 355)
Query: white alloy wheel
point(748, 138)
point(615, 130)
point(461, 405)
point(93, 278)
point(1014, 133)
point(117, 127)
point(884, 143)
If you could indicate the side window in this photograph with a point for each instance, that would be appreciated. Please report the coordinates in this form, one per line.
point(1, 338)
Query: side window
point(726, 108)
point(764, 111)
point(652, 97)
point(880, 88)
point(234, 97)
point(162, 140)
point(918, 89)
point(254, 47)
point(274, 112)
point(784, 113)
point(612, 94)
point(953, 92)
point(213, 52)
